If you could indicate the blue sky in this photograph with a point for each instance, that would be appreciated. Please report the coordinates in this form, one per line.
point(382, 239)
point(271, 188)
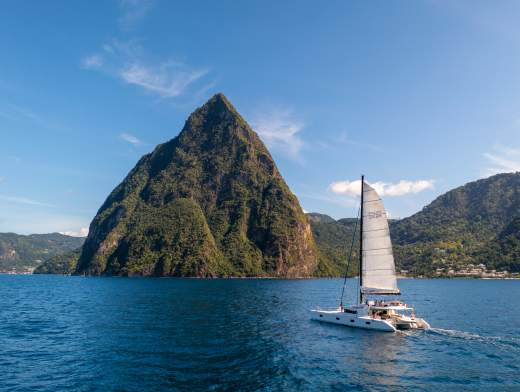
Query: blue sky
point(419, 96)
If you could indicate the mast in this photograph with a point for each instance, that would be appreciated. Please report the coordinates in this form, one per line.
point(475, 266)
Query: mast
point(361, 243)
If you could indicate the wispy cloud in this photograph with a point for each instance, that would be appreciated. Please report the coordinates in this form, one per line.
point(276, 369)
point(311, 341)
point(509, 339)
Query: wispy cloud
point(20, 113)
point(280, 131)
point(403, 187)
point(92, 62)
point(345, 139)
point(82, 232)
point(133, 11)
point(128, 62)
point(499, 19)
point(130, 139)
point(502, 160)
point(24, 200)
point(168, 80)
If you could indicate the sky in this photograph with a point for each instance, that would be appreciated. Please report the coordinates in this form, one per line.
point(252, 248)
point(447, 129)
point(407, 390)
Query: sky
point(420, 96)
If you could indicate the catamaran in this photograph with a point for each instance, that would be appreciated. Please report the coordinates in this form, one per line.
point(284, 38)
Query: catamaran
point(377, 276)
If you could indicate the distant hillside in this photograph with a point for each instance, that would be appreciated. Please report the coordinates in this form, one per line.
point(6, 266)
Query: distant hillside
point(503, 252)
point(22, 252)
point(475, 223)
point(63, 264)
point(333, 240)
point(464, 225)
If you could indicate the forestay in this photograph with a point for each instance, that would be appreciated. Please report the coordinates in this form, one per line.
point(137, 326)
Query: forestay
point(378, 261)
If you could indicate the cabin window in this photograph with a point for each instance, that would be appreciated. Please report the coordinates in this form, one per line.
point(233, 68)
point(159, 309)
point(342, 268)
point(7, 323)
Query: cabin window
point(337, 318)
point(351, 321)
point(321, 315)
point(367, 322)
point(350, 311)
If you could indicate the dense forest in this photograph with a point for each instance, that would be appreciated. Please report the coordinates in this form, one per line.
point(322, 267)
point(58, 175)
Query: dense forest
point(24, 252)
point(210, 202)
point(63, 264)
point(472, 224)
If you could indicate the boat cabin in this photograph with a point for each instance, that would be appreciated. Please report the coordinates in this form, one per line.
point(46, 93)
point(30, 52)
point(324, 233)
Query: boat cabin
point(387, 310)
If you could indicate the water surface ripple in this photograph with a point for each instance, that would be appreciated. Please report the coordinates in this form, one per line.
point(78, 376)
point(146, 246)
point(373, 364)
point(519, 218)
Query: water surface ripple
point(116, 334)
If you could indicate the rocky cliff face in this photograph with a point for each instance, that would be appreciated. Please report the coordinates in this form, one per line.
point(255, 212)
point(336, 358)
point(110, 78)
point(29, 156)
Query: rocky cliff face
point(210, 202)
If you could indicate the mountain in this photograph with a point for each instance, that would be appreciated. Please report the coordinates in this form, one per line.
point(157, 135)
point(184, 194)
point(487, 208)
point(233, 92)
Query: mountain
point(24, 252)
point(503, 252)
point(472, 224)
point(460, 226)
point(210, 202)
point(333, 239)
point(62, 264)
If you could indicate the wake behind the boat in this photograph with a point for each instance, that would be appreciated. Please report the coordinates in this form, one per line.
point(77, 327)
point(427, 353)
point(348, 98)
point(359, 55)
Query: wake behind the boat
point(509, 341)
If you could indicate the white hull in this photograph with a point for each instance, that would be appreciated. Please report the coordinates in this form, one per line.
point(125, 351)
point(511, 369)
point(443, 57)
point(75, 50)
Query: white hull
point(385, 317)
point(352, 320)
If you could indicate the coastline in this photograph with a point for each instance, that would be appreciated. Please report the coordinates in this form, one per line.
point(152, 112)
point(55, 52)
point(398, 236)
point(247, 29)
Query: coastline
point(400, 277)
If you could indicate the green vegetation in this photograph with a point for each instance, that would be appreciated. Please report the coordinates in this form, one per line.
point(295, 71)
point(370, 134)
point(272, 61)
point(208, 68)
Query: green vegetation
point(503, 253)
point(476, 223)
point(465, 225)
point(24, 252)
point(210, 202)
point(334, 239)
point(62, 264)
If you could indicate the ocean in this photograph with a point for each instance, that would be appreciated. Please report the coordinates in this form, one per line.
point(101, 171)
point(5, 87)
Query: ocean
point(60, 333)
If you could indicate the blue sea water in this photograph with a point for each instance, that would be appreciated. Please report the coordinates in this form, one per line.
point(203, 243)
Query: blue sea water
point(118, 334)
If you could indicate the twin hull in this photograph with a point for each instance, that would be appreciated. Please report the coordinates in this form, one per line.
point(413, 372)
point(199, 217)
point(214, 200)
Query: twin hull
point(352, 320)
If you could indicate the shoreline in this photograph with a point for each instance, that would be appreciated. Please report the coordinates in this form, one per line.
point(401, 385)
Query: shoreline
point(266, 277)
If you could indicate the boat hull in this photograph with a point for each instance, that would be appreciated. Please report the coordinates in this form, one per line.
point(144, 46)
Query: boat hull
point(351, 320)
point(415, 324)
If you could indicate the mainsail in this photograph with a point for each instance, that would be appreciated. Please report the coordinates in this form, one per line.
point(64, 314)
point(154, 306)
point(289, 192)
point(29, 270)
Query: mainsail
point(378, 268)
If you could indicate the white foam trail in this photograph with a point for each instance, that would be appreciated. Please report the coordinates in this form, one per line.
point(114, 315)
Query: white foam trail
point(498, 340)
point(457, 334)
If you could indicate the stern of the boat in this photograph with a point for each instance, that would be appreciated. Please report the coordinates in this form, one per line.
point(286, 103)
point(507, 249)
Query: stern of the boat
point(410, 323)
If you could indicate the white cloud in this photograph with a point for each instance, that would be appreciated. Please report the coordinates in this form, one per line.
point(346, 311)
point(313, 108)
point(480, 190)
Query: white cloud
point(403, 187)
point(130, 139)
point(502, 160)
point(82, 232)
point(168, 80)
point(23, 200)
point(132, 11)
point(280, 131)
point(127, 62)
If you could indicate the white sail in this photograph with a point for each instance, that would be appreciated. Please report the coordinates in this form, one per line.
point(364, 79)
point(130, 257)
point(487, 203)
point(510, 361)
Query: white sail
point(378, 261)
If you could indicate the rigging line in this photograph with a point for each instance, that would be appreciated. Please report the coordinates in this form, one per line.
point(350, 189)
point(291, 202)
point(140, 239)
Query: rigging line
point(349, 259)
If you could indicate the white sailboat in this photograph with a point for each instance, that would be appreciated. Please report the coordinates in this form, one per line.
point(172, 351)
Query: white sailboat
point(377, 277)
